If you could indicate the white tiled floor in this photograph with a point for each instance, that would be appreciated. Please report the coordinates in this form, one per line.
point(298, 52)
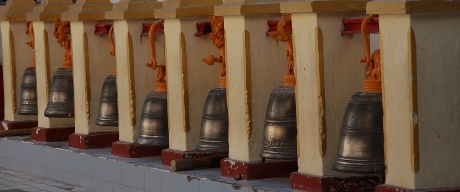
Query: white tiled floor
point(11, 181)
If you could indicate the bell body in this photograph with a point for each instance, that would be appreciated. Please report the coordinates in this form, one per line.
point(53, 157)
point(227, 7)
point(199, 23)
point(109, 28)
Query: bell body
point(108, 107)
point(60, 98)
point(280, 132)
point(154, 121)
point(214, 124)
point(28, 103)
point(360, 147)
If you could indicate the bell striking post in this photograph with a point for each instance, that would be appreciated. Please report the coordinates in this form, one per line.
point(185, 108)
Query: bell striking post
point(360, 148)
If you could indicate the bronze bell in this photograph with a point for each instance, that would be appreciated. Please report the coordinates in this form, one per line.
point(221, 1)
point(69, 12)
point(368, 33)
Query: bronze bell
point(214, 123)
point(60, 98)
point(360, 147)
point(154, 117)
point(28, 103)
point(108, 107)
point(154, 120)
point(280, 132)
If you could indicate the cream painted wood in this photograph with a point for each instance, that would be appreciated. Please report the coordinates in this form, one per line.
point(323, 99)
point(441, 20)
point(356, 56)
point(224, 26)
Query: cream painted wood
point(437, 45)
point(189, 80)
point(134, 79)
point(92, 63)
point(252, 73)
point(15, 61)
point(342, 77)
point(48, 53)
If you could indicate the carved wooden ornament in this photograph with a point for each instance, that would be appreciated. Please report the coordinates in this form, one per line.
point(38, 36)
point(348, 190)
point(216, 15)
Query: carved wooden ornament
point(112, 51)
point(161, 69)
point(32, 42)
point(218, 38)
point(282, 35)
point(64, 41)
point(373, 71)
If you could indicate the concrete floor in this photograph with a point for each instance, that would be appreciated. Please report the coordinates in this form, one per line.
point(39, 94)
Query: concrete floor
point(12, 181)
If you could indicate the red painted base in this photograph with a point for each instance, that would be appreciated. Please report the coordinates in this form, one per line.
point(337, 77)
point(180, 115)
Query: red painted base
point(257, 170)
point(168, 155)
point(315, 183)
point(132, 150)
point(52, 134)
point(13, 125)
point(389, 188)
point(92, 140)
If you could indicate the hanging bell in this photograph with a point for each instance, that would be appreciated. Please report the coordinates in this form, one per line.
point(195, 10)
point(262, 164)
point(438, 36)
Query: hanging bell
point(108, 107)
point(28, 103)
point(360, 147)
point(154, 117)
point(280, 130)
point(214, 124)
point(60, 98)
point(154, 120)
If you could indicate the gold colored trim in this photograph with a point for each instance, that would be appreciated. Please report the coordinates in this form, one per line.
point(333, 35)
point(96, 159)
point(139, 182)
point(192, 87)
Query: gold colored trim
point(12, 71)
point(382, 66)
point(322, 6)
point(411, 7)
point(413, 87)
point(321, 91)
point(248, 95)
point(47, 62)
point(185, 82)
point(132, 88)
point(87, 86)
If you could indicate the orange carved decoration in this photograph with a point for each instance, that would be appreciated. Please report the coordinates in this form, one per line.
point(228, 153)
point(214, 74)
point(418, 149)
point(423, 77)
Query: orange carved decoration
point(32, 41)
point(372, 83)
point(64, 41)
point(282, 35)
point(112, 51)
point(161, 69)
point(218, 38)
point(373, 71)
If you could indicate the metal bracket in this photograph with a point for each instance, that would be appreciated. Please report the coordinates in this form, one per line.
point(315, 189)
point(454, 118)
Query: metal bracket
point(353, 26)
point(102, 29)
point(159, 30)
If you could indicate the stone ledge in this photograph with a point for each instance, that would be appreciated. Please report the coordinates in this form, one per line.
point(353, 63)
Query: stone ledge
point(97, 169)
